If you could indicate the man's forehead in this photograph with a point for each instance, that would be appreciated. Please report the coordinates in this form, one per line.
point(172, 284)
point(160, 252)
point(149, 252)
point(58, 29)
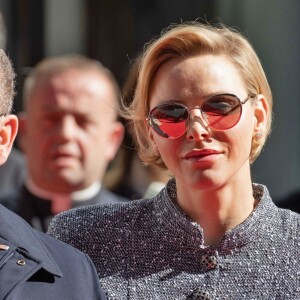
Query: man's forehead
point(74, 86)
point(84, 92)
point(76, 103)
point(74, 79)
point(83, 106)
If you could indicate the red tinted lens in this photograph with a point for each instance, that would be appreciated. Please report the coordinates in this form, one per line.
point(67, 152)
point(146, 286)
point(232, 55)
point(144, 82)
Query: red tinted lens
point(169, 120)
point(222, 111)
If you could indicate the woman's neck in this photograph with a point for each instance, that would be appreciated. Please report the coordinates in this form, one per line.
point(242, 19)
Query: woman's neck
point(217, 210)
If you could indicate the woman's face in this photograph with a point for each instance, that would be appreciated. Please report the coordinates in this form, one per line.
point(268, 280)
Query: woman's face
point(205, 158)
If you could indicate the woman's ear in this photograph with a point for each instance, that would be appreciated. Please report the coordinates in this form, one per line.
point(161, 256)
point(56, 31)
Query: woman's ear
point(152, 142)
point(8, 133)
point(261, 113)
point(150, 134)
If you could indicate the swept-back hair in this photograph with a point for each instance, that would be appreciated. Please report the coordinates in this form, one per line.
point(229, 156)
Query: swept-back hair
point(186, 40)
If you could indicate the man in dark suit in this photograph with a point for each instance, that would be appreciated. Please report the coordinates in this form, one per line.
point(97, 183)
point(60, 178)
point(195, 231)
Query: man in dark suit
point(69, 133)
point(37, 266)
point(33, 264)
point(12, 172)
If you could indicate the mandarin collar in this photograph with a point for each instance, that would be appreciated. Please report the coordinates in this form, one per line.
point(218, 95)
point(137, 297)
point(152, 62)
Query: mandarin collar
point(258, 222)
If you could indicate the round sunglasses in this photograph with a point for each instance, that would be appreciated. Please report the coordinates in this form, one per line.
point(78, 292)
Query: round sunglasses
point(220, 112)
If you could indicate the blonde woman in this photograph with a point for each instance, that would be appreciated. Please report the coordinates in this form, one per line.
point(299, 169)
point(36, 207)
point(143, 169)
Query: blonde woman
point(202, 109)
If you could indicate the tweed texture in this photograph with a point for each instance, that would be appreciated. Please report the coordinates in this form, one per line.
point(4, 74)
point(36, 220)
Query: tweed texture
point(148, 249)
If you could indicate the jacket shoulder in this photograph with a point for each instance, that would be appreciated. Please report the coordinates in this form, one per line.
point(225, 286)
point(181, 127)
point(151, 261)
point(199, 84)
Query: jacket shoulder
point(51, 264)
point(11, 199)
point(289, 221)
point(70, 260)
point(67, 225)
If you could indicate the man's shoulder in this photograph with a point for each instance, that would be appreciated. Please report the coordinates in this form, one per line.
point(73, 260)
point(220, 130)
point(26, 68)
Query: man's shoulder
point(60, 262)
point(40, 245)
point(68, 258)
point(11, 198)
point(106, 197)
point(60, 250)
point(30, 239)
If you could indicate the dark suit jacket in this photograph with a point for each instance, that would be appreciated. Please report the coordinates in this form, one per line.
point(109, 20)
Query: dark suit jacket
point(37, 266)
point(37, 211)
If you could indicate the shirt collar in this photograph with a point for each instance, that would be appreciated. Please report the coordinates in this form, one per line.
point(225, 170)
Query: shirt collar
point(78, 196)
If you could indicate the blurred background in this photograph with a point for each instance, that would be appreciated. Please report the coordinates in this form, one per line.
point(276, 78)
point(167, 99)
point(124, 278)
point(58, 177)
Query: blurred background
point(115, 31)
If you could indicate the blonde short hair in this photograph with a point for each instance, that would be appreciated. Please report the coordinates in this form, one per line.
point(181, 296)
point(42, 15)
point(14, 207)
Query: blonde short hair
point(186, 40)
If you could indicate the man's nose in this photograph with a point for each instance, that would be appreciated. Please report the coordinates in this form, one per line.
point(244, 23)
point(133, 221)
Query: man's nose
point(68, 128)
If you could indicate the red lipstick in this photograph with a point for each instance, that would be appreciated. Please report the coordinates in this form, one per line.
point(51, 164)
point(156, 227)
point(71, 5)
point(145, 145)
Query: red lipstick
point(202, 154)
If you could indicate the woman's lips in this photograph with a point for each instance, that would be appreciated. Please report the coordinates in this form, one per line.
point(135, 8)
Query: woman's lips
point(202, 154)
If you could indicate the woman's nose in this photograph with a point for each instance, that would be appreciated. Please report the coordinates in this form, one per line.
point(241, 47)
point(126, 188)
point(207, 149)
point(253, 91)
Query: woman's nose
point(197, 127)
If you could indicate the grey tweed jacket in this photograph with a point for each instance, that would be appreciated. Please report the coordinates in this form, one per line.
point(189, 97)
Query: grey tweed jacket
point(148, 249)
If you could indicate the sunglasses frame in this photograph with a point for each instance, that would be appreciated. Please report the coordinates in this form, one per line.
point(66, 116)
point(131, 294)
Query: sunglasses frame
point(240, 104)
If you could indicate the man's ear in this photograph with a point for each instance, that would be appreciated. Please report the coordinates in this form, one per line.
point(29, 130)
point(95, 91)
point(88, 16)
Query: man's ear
point(8, 132)
point(116, 138)
point(261, 113)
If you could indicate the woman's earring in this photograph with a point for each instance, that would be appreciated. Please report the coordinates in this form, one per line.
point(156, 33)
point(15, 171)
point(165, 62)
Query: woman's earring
point(258, 135)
